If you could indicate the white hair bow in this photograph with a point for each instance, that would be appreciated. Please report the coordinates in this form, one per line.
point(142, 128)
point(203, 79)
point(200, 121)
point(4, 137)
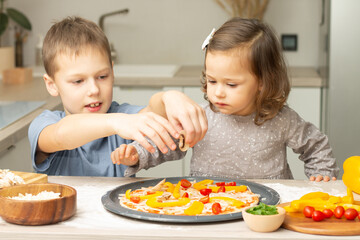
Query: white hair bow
point(207, 40)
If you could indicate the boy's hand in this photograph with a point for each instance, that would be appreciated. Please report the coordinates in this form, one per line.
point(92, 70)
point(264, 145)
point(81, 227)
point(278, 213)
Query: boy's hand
point(126, 155)
point(184, 114)
point(147, 124)
point(320, 178)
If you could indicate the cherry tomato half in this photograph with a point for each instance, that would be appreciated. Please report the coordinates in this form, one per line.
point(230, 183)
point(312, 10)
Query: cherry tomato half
point(328, 213)
point(351, 214)
point(216, 208)
point(204, 200)
point(221, 189)
point(230, 184)
point(308, 211)
point(185, 195)
point(318, 216)
point(339, 211)
point(205, 191)
point(135, 199)
point(220, 184)
point(185, 183)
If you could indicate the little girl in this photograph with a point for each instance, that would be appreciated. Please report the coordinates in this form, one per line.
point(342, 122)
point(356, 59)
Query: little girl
point(249, 126)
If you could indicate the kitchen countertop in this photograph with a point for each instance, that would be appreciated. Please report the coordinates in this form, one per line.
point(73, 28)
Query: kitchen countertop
point(92, 221)
point(190, 76)
point(185, 76)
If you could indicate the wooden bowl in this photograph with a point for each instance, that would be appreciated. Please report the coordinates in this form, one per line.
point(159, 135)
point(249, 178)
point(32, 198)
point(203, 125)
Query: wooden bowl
point(37, 212)
point(264, 223)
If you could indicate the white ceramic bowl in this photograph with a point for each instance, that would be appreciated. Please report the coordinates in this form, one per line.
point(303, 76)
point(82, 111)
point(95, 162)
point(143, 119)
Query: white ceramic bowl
point(264, 223)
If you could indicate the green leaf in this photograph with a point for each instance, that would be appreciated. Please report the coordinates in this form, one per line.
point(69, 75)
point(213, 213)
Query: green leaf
point(19, 18)
point(263, 209)
point(4, 20)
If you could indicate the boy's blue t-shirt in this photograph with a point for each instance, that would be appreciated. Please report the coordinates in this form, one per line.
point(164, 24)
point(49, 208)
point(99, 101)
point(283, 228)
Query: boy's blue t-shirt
point(91, 159)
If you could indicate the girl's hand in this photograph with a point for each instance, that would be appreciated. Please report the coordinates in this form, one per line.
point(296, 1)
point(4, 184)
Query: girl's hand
point(141, 125)
point(184, 114)
point(126, 155)
point(320, 178)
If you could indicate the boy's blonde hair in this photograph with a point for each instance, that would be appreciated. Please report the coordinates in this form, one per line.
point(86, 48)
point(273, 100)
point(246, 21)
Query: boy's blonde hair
point(265, 58)
point(71, 36)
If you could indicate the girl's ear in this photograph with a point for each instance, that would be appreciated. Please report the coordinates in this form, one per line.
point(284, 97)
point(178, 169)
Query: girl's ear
point(51, 86)
point(260, 86)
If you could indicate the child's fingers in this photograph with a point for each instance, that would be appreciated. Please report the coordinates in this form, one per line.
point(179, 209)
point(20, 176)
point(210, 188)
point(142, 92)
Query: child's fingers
point(158, 134)
point(129, 151)
point(143, 142)
point(319, 178)
point(121, 151)
point(195, 125)
point(199, 121)
point(132, 155)
point(163, 127)
point(115, 157)
point(112, 156)
point(167, 125)
point(326, 178)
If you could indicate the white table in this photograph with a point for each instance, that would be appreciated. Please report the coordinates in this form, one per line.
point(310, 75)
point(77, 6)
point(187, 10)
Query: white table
point(92, 221)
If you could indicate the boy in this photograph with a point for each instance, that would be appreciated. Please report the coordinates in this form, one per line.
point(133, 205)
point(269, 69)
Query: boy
point(79, 141)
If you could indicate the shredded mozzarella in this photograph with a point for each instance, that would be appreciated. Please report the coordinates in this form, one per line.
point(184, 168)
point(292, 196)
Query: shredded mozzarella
point(44, 195)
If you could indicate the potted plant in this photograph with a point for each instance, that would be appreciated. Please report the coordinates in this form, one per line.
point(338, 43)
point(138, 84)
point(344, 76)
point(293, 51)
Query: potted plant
point(21, 23)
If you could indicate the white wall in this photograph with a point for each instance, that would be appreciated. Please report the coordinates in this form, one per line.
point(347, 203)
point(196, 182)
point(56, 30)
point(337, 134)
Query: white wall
point(344, 78)
point(171, 31)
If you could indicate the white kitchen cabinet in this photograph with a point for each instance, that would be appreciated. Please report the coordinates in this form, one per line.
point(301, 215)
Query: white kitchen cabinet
point(17, 157)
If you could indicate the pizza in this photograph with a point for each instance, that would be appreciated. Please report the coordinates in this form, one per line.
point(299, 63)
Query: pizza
point(201, 198)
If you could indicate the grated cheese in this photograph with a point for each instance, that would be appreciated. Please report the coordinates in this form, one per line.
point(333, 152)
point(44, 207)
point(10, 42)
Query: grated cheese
point(44, 195)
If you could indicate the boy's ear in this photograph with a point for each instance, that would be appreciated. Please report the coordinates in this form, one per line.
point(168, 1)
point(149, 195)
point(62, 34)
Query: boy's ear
point(51, 86)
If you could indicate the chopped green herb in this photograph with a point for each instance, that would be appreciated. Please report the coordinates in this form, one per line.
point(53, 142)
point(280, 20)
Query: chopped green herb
point(263, 209)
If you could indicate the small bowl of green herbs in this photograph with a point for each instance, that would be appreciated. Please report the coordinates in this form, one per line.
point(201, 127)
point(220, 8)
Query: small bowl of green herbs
point(264, 218)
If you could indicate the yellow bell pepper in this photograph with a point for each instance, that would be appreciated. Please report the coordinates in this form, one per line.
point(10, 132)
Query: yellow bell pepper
point(176, 192)
point(195, 208)
point(170, 187)
point(127, 193)
point(202, 184)
point(317, 203)
point(334, 199)
point(156, 194)
point(241, 188)
point(347, 199)
point(232, 201)
point(289, 209)
point(312, 195)
point(350, 195)
point(351, 176)
point(348, 205)
point(152, 202)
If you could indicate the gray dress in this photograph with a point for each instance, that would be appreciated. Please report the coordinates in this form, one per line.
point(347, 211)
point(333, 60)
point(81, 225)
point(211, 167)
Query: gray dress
point(234, 147)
